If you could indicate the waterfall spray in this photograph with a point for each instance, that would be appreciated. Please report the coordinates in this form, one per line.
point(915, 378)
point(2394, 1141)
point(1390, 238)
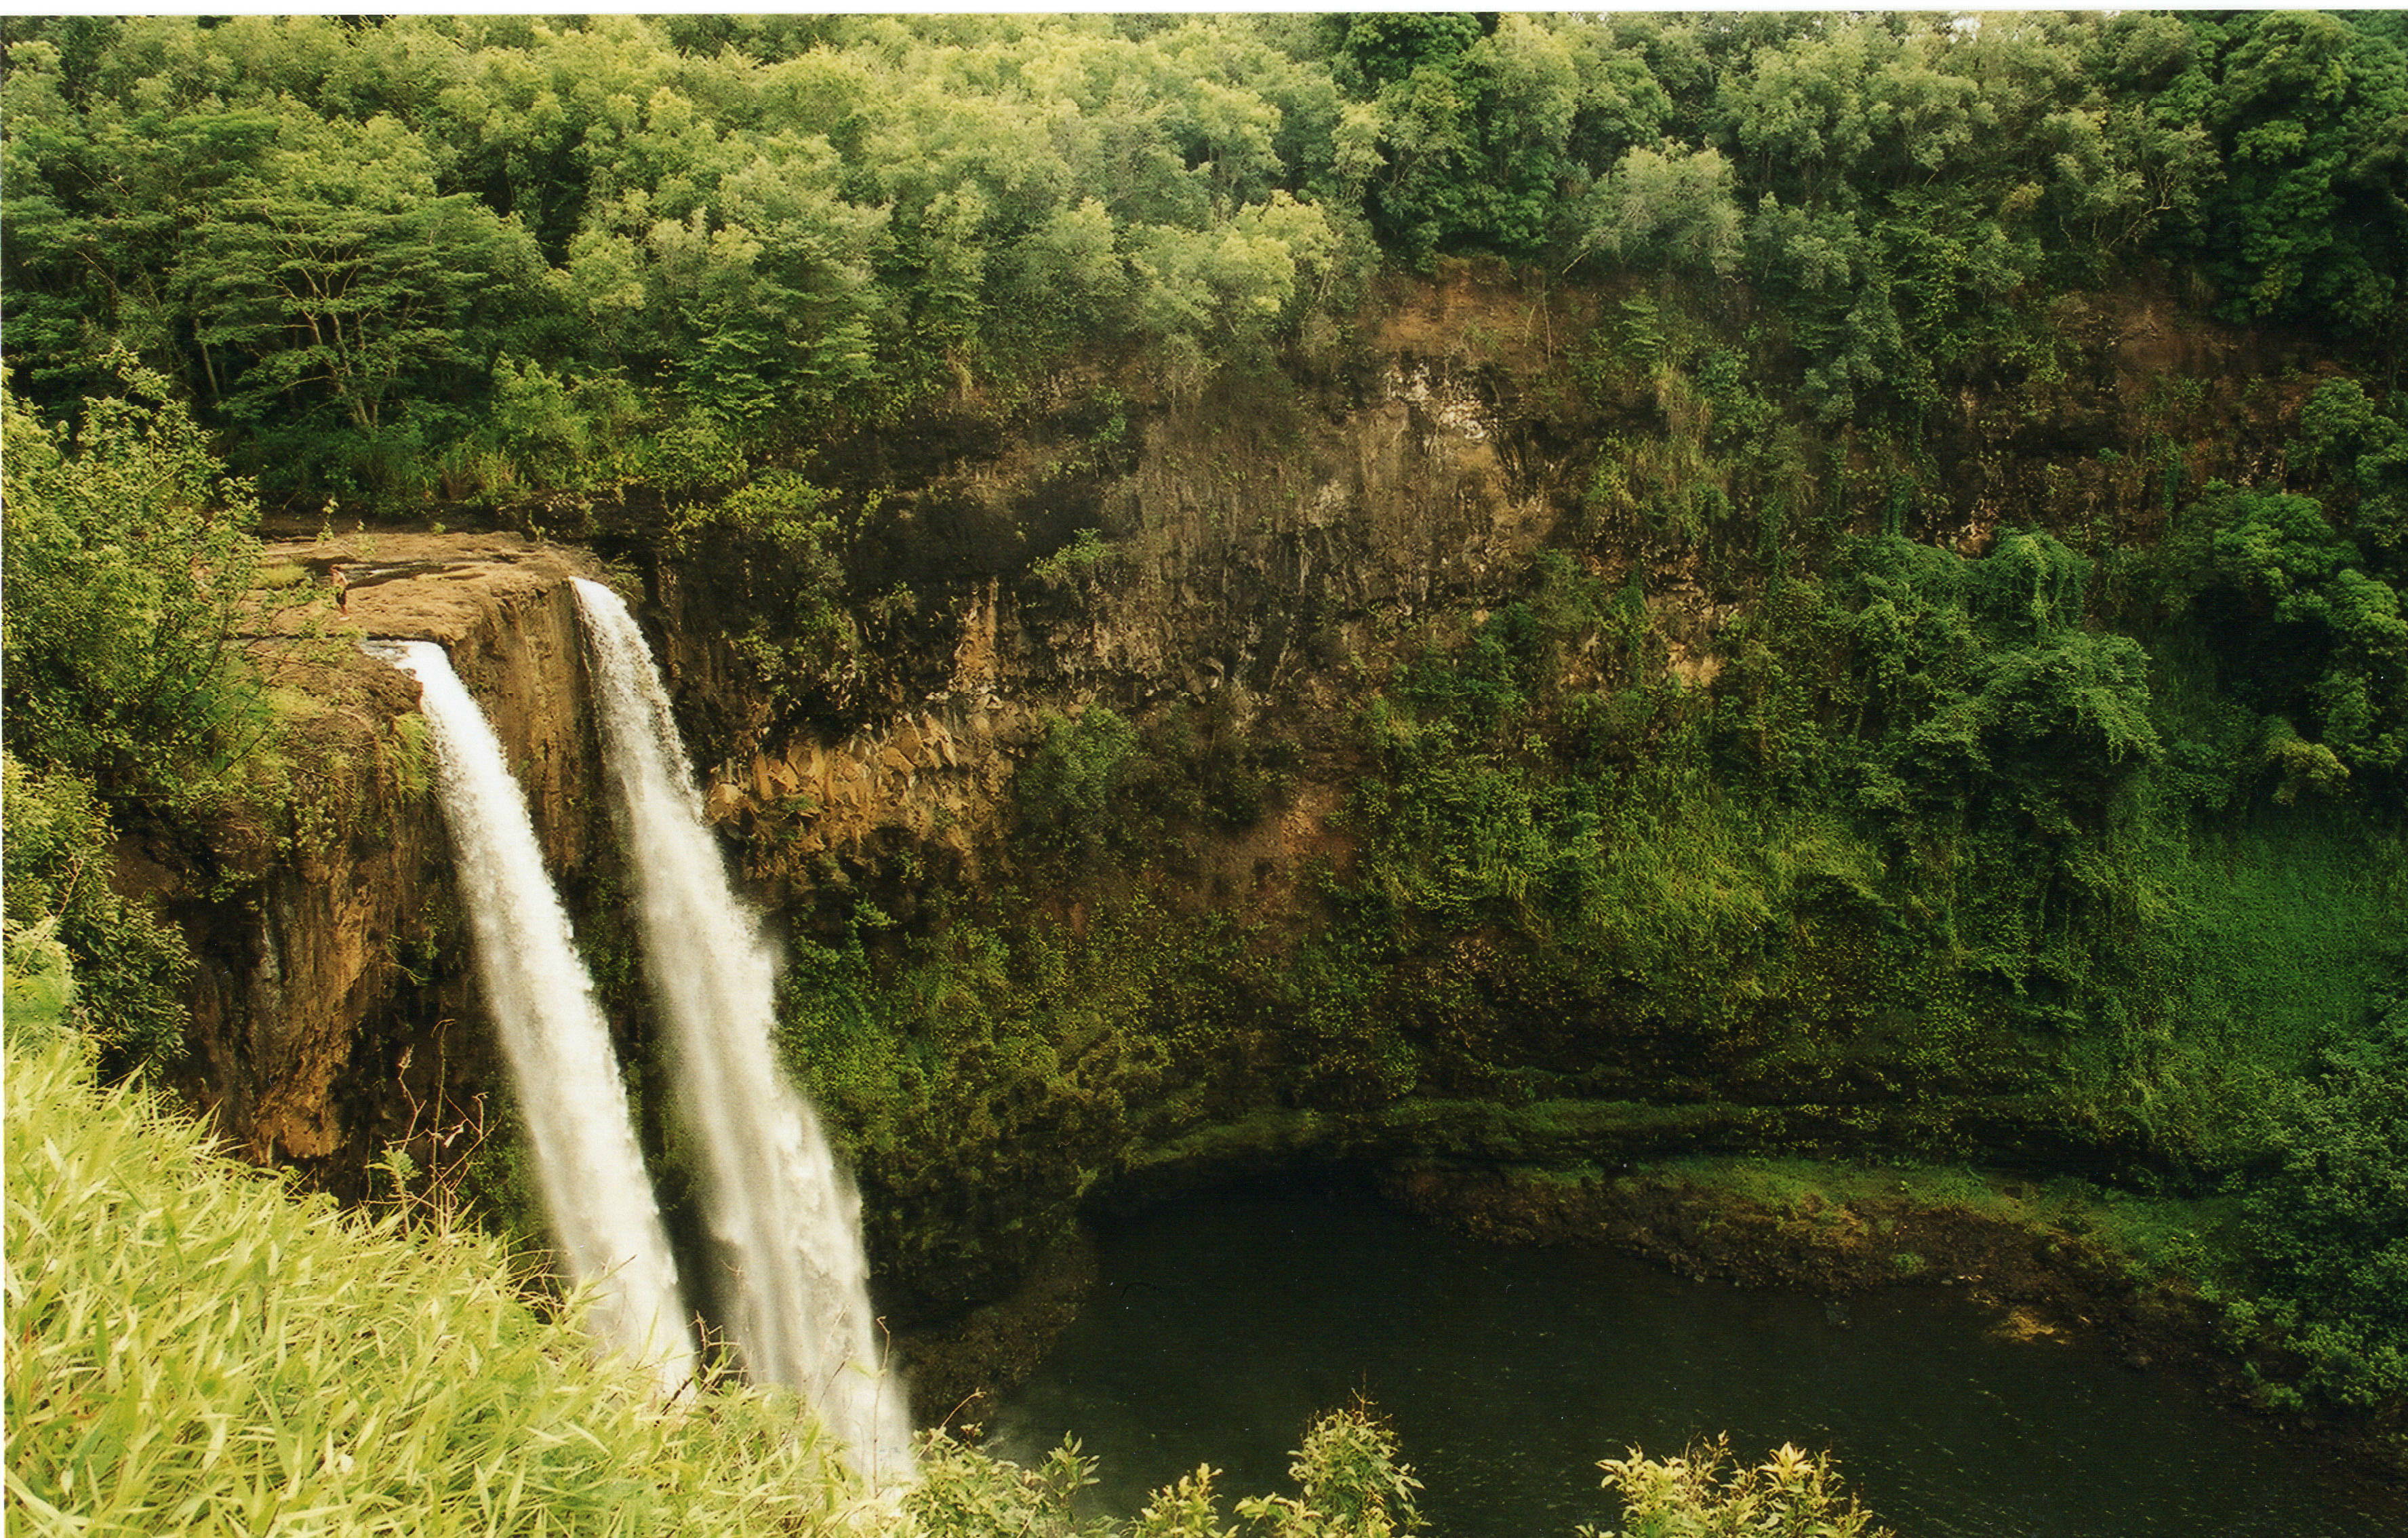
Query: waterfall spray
point(784, 1214)
point(587, 1164)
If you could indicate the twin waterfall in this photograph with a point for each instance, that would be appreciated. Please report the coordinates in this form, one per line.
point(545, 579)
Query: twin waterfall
point(587, 1165)
point(787, 1268)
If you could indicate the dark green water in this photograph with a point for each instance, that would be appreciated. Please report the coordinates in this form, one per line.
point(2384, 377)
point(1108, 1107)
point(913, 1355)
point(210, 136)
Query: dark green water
point(1222, 1324)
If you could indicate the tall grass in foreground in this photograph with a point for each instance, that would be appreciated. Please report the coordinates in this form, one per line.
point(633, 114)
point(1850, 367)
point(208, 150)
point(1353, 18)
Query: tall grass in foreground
point(192, 1350)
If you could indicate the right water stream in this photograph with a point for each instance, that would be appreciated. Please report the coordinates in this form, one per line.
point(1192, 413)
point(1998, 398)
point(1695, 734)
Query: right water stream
point(1222, 1324)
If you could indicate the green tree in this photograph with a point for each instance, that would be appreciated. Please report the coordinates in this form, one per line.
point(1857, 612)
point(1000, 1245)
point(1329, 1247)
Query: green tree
point(1669, 209)
point(766, 295)
point(98, 201)
point(1066, 790)
point(2304, 633)
point(1799, 116)
point(335, 289)
point(2329, 1223)
point(115, 970)
point(2308, 113)
point(2120, 172)
point(2366, 448)
point(1413, 66)
point(130, 565)
point(1484, 124)
point(129, 569)
point(1219, 292)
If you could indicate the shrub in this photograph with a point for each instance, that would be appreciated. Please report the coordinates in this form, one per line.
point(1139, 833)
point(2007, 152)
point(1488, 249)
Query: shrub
point(1697, 1494)
point(1065, 790)
point(128, 964)
point(2330, 1224)
point(131, 563)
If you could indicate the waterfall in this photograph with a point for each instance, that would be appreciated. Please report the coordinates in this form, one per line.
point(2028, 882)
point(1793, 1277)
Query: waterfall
point(784, 1217)
point(587, 1164)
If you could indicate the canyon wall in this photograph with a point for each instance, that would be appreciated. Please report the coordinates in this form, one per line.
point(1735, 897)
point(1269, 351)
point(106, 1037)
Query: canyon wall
point(1267, 551)
point(1263, 553)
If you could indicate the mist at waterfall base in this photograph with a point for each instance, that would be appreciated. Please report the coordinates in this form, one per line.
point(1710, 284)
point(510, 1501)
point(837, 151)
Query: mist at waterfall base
point(587, 1164)
point(784, 1218)
point(1222, 1324)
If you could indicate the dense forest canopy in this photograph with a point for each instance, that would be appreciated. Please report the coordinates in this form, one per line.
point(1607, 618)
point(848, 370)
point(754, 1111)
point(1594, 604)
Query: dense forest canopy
point(478, 255)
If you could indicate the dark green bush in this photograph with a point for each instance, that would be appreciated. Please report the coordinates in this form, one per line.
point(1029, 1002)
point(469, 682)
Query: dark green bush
point(2329, 1224)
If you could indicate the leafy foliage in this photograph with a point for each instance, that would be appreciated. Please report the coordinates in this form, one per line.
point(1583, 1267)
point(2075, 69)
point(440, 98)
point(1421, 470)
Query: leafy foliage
point(2331, 1224)
point(1945, 714)
point(2305, 628)
point(2306, 110)
point(334, 289)
point(961, 1491)
point(1350, 1487)
point(1015, 1048)
point(131, 578)
point(239, 1361)
point(353, 243)
point(127, 968)
point(1351, 1484)
point(1065, 788)
point(349, 242)
point(131, 560)
point(1699, 1494)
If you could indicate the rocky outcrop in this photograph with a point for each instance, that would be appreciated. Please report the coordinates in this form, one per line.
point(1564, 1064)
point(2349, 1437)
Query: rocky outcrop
point(332, 1014)
point(1263, 550)
point(502, 608)
point(1262, 545)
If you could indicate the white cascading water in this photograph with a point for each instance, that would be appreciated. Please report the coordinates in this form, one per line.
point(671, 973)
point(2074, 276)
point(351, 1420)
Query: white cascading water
point(784, 1212)
point(586, 1160)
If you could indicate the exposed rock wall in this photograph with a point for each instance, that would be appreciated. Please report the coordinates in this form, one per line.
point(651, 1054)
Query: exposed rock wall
point(1267, 543)
point(1265, 551)
point(333, 1014)
point(1271, 546)
point(301, 941)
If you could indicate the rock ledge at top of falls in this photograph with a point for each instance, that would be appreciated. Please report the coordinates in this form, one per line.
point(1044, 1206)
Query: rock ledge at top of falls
point(447, 588)
point(502, 607)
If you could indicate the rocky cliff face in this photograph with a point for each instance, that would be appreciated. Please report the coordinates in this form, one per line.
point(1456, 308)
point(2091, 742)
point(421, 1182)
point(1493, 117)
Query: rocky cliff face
point(333, 1015)
point(1265, 552)
point(1254, 549)
point(1261, 554)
